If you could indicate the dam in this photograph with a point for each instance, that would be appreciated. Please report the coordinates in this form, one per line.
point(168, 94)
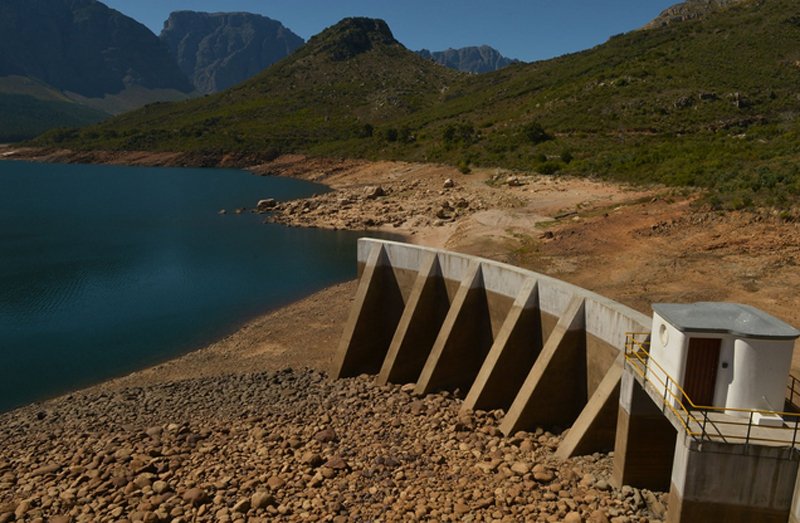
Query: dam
point(693, 400)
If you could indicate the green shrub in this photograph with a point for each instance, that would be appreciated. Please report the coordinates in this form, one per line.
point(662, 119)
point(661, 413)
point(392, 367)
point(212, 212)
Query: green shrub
point(535, 133)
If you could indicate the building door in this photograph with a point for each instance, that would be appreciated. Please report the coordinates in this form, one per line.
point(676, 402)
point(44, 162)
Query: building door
point(700, 378)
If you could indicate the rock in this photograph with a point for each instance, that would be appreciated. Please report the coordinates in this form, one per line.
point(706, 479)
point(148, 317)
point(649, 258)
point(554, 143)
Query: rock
point(326, 436)
point(261, 499)
point(56, 519)
point(408, 388)
point(544, 476)
point(654, 505)
point(449, 183)
point(520, 468)
point(460, 509)
point(372, 193)
point(266, 204)
point(47, 469)
point(242, 506)
point(337, 463)
point(312, 459)
point(159, 487)
point(316, 481)
point(598, 516)
point(275, 482)
point(22, 509)
point(195, 497)
point(573, 517)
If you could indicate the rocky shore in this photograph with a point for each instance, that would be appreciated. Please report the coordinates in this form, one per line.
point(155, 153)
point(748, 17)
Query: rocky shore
point(292, 445)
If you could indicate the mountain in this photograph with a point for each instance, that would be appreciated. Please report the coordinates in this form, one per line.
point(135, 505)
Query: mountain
point(74, 61)
point(711, 102)
point(689, 10)
point(219, 50)
point(339, 87)
point(481, 59)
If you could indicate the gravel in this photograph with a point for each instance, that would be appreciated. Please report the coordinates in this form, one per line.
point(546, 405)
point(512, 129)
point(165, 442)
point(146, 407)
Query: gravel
point(292, 446)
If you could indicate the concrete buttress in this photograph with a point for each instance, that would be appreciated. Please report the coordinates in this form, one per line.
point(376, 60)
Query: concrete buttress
point(373, 319)
point(512, 354)
point(419, 326)
point(554, 392)
point(463, 341)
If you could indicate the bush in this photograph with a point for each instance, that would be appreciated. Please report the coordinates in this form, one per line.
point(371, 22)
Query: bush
point(390, 134)
point(366, 131)
point(550, 168)
point(460, 133)
point(535, 133)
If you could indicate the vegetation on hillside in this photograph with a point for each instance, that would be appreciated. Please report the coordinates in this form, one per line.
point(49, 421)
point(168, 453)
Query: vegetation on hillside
point(710, 102)
point(25, 117)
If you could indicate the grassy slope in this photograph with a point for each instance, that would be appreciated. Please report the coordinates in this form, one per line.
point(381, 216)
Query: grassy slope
point(24, 117)
point(710, 102)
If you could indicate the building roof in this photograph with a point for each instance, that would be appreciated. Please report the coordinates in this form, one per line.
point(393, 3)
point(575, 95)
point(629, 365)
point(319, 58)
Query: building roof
point(731, 318)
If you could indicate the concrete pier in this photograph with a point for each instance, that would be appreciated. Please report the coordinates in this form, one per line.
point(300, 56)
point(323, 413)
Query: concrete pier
point(645, 440)
point(714, 481)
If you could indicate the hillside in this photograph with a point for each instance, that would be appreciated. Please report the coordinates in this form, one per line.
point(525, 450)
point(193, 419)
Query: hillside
point(329, 95)
point(709, 102)
point(71, 62)
point(482, 59)
point(219, 50)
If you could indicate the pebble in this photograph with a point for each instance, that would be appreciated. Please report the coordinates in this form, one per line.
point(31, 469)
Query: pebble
point(293, 446)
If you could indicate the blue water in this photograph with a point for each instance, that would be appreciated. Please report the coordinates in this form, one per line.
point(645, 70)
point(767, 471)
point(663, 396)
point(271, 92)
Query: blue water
point(105, 270)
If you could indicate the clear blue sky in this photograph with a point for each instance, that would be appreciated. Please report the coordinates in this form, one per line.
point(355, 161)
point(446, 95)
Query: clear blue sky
point(524, 29)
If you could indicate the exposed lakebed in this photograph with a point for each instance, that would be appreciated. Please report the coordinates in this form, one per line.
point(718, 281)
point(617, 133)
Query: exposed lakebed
point(107, 269)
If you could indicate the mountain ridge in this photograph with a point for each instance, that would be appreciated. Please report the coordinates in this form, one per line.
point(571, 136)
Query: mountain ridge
point(74, 62)
point(219, 50)
point(472, 59)
point(340, 86)
point(679, 105)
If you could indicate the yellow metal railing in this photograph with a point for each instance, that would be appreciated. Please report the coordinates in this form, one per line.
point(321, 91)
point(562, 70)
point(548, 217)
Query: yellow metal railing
point(707, 422)
point(794, 393)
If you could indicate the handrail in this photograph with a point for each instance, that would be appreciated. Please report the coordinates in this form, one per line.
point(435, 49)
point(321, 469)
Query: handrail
point(794, 390)
point(675, 399)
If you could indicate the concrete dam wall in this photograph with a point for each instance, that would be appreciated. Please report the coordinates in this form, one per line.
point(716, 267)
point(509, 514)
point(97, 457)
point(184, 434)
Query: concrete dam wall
point(548, 353)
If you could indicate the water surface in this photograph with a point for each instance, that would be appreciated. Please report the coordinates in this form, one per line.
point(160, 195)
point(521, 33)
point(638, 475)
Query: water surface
point(106, 269)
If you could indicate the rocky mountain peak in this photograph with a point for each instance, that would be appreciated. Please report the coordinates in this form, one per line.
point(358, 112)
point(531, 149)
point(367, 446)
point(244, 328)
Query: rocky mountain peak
point(690, 10)
point(219, 50)
point(354, 36)
point(480, 59)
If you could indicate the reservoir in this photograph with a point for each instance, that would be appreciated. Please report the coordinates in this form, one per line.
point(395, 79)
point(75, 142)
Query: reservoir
point(105, 270)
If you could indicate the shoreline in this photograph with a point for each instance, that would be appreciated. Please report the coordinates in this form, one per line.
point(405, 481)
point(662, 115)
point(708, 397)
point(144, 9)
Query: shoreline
point(194, 361)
